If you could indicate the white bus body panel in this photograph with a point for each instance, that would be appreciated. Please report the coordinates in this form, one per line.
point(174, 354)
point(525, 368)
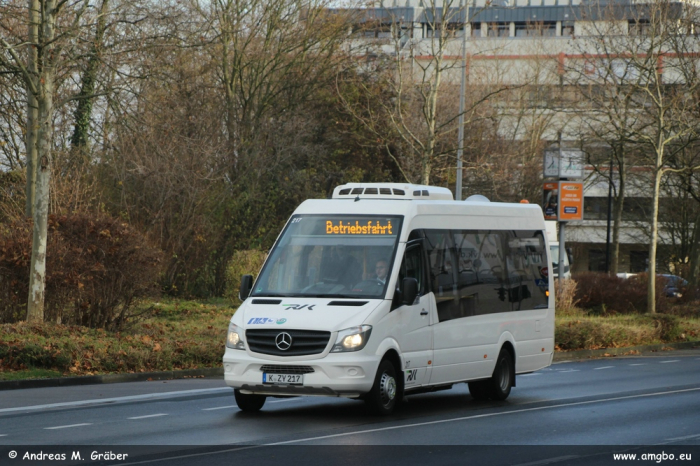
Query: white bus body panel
point(431, 352)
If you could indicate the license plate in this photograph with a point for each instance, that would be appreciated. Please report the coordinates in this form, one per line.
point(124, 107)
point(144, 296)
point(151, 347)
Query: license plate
point(283, 379)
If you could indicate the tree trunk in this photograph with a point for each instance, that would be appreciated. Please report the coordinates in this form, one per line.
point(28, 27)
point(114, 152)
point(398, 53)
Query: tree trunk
point(37, 275)
point(651, 292)
point(32, 106)
point(617, 219)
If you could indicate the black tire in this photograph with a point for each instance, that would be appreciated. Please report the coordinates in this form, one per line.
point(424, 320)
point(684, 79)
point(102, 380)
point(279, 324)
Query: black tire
point(502, 379)
point(249, 403)
point(382, 398)
point(479, 390)
point(499, 385)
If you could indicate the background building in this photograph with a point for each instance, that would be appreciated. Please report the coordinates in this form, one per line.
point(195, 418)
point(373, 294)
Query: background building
point(562, 56)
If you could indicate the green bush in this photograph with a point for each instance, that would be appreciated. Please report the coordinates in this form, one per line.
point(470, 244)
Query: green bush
point(603, 294)
point(243, 263)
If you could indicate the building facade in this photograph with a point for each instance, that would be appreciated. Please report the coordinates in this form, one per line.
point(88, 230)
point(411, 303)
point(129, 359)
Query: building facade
point(552, 47)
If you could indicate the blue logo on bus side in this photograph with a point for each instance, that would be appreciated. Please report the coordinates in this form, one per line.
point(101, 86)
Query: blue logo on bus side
point(260, 321)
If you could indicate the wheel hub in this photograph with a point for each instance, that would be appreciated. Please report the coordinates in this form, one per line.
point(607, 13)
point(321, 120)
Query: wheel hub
point(387, 389)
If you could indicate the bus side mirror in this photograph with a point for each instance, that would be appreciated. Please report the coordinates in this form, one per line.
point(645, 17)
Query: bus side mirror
point(409, 290)
point(246, 286)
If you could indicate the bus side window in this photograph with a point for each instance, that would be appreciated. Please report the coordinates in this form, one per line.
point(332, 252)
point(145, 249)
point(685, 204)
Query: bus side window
point(411, 267)
point(442, 273)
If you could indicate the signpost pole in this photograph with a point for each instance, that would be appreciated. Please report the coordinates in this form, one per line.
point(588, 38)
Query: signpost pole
point(562, 225)
point(562, 251)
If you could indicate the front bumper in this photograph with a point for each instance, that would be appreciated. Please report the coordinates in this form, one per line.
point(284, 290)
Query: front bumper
point(335, 374)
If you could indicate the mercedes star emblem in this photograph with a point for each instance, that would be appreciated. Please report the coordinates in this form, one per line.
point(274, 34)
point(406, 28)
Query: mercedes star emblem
point(283, 341)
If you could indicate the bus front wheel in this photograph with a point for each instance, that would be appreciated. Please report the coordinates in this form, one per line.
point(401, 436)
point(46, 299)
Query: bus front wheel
point(384, 394)
point(249, 403)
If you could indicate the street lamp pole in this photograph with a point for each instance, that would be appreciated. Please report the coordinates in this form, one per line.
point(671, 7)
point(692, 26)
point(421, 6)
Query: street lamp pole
point(462, 92)
point(607, 239)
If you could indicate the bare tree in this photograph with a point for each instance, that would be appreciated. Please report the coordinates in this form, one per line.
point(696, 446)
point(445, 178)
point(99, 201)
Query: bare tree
point(421, 76)
point(42, 43)
point(609, 86)
point(651, 97)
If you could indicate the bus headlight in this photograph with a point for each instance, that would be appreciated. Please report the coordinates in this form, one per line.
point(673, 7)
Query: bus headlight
point(352, 339)
point(234, 338)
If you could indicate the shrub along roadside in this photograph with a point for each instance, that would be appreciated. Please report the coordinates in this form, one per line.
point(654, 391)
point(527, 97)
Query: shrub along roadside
point(581, 331)
point(179, 335)
point(190, 334)
point(97, 267)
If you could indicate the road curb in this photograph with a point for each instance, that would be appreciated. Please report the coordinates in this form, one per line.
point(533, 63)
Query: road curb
point(215, 372)
point(218, 372)
point(624, 351)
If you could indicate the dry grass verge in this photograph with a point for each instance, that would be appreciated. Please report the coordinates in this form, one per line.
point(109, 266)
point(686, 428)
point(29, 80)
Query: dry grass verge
point(190, 334)
point(579, 330)
point(179, 335)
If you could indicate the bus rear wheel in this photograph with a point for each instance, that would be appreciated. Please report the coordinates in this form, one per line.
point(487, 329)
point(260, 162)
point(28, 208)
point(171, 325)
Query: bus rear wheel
point(502, 379)
point(499, 385)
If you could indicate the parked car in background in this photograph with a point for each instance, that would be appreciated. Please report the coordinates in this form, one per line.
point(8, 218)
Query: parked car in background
point(673, 284)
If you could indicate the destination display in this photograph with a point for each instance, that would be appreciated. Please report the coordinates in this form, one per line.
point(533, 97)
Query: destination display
point(349, 228)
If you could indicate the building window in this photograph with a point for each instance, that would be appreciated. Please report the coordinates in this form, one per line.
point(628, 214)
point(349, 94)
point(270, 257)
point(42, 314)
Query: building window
point(476, 29)
point(639, 261)
point(596, 260)
point(498, 29)
point(595, 208)
point(536, 29)
point(639, 27)
point(383, 31)
point(450, 30)
point(567, 28)
point(373, 30)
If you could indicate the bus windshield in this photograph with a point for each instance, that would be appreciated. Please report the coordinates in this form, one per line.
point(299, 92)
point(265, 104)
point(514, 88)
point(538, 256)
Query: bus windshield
point(345, 256)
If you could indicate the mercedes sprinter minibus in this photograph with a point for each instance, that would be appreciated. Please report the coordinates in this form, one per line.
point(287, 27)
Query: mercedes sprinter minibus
point(387, 290)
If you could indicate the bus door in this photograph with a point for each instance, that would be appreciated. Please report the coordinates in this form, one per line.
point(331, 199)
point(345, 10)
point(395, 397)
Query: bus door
point(413, 331)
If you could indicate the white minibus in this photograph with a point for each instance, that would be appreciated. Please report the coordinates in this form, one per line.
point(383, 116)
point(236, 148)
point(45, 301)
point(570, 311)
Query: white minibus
point(387, 290)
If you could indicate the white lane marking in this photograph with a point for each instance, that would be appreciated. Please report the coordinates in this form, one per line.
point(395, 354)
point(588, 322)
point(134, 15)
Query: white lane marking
point(560, 362)
point(604, 367)
point(644, 364)
point(146, 417)
point(569, 370)
point(528, 375)
point(3, 435)
point(664, 362)
point(283, 401)
point(66, 427)
point(195, 455)
point(219, 407)
point(548, 460)
point(682, 438)
point(114, 400)
point(480, 416)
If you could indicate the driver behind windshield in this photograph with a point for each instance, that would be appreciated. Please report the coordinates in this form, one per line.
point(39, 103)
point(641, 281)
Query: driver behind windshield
point(343, 268)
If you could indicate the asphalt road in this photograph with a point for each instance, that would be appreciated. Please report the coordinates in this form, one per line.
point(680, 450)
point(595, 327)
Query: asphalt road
point(570, 413)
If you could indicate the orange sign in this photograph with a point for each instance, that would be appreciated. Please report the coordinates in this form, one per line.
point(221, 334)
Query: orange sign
point(570, 201)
